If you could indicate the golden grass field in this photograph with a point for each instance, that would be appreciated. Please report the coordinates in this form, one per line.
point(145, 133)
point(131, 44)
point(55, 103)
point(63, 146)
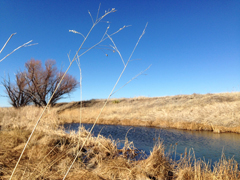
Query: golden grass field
point(51, 151)
point(213, 112)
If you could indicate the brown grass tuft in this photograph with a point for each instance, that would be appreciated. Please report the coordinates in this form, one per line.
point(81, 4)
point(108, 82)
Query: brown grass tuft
point(157, 165)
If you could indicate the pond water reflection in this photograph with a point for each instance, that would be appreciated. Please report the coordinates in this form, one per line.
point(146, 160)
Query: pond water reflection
point(206, 144)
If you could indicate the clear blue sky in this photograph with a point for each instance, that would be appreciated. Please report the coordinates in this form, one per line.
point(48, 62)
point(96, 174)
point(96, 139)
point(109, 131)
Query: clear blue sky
point(193, 46)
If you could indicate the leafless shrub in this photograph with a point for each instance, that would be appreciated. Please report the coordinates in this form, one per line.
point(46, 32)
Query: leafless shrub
point(37, 84)
point(18, 98)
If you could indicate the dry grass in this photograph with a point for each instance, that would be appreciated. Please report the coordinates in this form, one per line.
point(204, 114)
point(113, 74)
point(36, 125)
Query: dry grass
point(190, 168)
point(214, 112)
point(51, 151)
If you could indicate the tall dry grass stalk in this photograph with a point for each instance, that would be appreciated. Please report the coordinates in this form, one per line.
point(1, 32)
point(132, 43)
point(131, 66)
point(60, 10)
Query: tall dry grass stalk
point(77, 56)
point(74, 58)
point(81, 104)
point(111, 93)
point(23, 45)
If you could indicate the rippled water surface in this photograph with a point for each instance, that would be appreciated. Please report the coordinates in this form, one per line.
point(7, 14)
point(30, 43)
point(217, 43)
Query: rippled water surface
point(206, 144)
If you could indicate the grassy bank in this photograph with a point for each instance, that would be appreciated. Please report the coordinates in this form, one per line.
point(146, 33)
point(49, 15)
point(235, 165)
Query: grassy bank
point(213, 112)
point(51, 151)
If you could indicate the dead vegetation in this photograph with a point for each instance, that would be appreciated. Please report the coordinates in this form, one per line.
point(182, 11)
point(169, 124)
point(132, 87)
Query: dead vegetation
point(51, 151)
point(213, 112)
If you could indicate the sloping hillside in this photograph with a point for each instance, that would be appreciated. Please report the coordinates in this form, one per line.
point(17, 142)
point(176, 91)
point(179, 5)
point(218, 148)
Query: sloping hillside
point(214, 112)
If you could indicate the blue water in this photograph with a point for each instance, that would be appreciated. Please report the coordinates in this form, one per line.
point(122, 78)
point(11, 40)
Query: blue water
point(206, 145)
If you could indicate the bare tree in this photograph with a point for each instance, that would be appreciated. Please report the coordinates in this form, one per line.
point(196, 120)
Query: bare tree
point(16, 94)
point(37, 84)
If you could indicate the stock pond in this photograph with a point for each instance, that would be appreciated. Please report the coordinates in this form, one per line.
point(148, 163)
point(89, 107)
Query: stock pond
point(206, 145)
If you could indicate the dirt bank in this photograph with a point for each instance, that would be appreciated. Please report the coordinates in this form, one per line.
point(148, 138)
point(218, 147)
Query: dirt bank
point(213, 112)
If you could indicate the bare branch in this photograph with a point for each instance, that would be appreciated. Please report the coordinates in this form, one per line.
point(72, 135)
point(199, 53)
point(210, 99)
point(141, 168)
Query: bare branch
point(16, 93)
point(3, 95)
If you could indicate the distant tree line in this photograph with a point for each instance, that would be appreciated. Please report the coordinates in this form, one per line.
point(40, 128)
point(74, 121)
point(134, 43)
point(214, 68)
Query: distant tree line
point(36, 85)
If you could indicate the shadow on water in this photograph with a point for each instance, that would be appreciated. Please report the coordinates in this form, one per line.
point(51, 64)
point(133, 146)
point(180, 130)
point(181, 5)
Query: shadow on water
point(207, 145)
